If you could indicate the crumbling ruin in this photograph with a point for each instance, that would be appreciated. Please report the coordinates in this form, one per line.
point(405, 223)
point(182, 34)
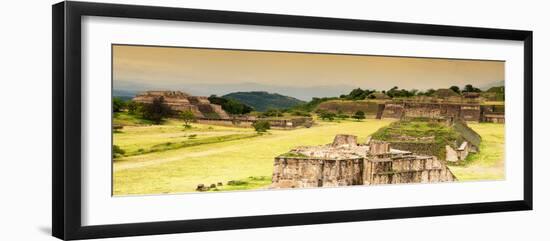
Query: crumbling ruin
point(450, 140)
point(344, 162)
point(444, 103)
point(180, 101)
point(407, 109)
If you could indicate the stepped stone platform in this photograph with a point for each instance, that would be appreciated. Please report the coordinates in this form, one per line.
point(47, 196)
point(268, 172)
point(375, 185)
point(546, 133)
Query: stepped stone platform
point(345, 162)
point(180, 101)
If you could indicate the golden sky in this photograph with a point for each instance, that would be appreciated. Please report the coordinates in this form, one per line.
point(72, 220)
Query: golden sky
point(144, 67)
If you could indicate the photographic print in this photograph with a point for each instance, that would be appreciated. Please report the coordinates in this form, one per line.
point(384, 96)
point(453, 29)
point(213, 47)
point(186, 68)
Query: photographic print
point(197, 120)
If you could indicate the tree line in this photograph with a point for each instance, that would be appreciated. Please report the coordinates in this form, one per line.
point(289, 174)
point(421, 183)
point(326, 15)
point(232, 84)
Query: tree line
point(396, 92)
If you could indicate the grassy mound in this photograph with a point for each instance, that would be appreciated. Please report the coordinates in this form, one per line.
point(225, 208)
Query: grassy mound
point(422, 137)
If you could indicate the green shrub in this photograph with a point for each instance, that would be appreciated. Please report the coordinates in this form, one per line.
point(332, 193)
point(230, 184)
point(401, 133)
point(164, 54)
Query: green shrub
point(301, 113)
point(118, 104)
point(293, 155)
point(187, 117)
point(359, 115)
point(117, 151)
point(156, 111)
point(133, 107)
point(261, 126)
point(343, 116)
point(272, 113)
point(236, 182)
point(327, 115)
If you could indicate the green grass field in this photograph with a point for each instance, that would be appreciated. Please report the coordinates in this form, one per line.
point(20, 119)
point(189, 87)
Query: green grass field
point(170, 158)
point(247, 160)
point(488, 164)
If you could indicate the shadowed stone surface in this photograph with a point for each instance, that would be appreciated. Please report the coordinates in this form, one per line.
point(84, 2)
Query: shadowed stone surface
point(345, 163)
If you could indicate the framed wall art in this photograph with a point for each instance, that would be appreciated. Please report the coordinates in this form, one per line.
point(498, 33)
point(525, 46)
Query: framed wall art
point(170, 120)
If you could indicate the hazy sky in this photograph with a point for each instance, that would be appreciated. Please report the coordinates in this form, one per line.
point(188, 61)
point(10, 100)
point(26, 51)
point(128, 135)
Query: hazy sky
point(224, 71)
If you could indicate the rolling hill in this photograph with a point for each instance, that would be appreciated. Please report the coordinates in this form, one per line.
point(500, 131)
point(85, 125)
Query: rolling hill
point(261, 100)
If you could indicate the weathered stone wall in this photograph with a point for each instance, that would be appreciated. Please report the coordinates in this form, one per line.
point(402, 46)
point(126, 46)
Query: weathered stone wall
point(470, 113)
point(298, 172)
point(493, 113)
point(406, 169)
point(344, 141)
point(219, 111)
point(349, 107)
point(423, 110)
point(226, 122)
point(393, 111)
point(421, 148)
point(426, 176)
point(243, 122)
point(467, 134)
point(345, 163)
point(380, 111)
point(464, 111)
point(295, 172)
point(378, 147)
point(290, 122)
point(494, 118)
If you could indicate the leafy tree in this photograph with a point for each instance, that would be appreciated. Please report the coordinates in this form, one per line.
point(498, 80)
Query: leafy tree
point(428, 92)
point(118, 104)
point(327, 115)
point(455, 88)
point(498, 91)
point(261, 126)
point(470, 88)
point(133, 107)
point(359, 115)
point(391, 92)
point(301, 113)
point(272, 113)
point(357, 94)
point(233, 107)
point(396, 92)
point(156, 111)
point(214, 99)
point(342, 115)
point(187, 117)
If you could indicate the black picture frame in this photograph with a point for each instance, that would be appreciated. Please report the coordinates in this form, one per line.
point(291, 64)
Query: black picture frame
point(66, 128)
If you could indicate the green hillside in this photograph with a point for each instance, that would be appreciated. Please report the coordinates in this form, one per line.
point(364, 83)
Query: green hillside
point(261, 100)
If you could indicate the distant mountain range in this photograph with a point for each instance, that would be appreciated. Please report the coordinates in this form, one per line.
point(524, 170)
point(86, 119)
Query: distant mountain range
point(259, 96)
point(262, 100)
point(305, 93)
point(124, 94)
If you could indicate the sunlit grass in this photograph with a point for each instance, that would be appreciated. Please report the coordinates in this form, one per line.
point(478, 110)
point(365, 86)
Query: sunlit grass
point(249, 183)
point(182, 169)
point(176, 169)
point(488, 164)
